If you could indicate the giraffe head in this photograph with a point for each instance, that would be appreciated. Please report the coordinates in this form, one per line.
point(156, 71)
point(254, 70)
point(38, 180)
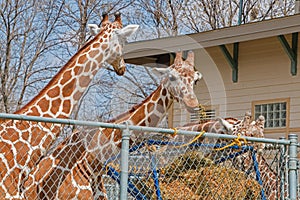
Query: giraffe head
point(113, 37)
point(180, 79)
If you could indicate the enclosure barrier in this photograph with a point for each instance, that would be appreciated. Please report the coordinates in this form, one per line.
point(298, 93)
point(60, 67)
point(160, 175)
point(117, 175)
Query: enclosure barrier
point(162, 159)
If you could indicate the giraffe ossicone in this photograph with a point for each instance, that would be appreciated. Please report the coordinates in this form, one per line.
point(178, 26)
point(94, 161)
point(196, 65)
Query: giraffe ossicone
point(81, 173)
point(23, 143)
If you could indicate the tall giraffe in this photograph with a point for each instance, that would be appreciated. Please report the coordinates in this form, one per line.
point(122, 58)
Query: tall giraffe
point(79, 175)
point(23, 143)
point(270, 179)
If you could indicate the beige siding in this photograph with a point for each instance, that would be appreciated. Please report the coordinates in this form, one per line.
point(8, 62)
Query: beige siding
point(264, 74)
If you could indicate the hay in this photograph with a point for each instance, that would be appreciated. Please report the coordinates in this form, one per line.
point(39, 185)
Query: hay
point(191, 176)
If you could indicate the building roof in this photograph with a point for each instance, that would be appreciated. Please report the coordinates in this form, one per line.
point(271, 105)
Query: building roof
point(147, 51)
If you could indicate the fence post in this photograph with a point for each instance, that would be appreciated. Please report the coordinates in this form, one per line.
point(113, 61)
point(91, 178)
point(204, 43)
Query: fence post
point(124, 163)
point(292, 164)
point(282, 165)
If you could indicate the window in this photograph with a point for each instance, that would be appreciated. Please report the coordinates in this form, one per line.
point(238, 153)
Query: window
point(275, 113)
point(203, 114)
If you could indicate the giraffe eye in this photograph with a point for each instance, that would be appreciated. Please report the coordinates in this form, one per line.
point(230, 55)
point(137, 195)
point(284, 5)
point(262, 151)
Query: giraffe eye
point(172, 78)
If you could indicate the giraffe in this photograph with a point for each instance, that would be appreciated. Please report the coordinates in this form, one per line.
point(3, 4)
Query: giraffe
point(270, 179)
point(23, 143)
point(81, 176)
point(232, 126)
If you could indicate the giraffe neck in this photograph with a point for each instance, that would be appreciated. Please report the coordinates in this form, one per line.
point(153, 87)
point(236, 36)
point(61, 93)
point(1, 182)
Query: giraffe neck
point(149, 113)
point(270, 178)
point(63, 92)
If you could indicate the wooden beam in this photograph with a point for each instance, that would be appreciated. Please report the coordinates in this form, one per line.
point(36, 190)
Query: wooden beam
point(232, 60)
point(291, 50)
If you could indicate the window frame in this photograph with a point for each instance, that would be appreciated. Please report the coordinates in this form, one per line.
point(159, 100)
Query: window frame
point(272, 101)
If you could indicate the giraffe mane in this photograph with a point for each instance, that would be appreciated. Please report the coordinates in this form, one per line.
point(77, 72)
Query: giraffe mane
point(71, 61)
point(126, 114)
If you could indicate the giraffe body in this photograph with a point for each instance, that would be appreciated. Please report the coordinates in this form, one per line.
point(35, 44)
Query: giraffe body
point(23, 143)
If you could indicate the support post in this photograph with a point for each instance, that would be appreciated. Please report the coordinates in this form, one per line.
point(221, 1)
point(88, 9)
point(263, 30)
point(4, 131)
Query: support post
point(293, 166)
point(291, 50)
point(232, 60)
point(124, 163)
point(282, 163)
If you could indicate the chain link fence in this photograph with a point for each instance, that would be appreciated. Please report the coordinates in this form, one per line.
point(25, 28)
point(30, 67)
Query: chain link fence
point(151, 164)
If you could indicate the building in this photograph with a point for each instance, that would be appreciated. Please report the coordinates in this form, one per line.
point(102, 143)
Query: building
point(247, 67)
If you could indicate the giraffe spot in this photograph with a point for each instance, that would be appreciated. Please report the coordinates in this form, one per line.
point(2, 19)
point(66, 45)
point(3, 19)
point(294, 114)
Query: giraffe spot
point(160, 102)
point(77, 70)
point(117, 135)
point(166, 102)
point(21, 125)
point(99, 60)
point(80, 178)
point(105, 136)
point(156, 96)
point(143, 123)
point(105, 36)
point(164, 92)
point(82, 59)
point(66, 77)
point(22, 153)
point(160, 108)
point(69, 88)
point(94, 53)
point(3, 168)
point(37, 135)
point(62, 116)
point(48, 142)
point(34, 112)
point(55, 129)
point(154, 119)
point(44, 167)
point(43, 104)
point(150, 107)
point(96, 45)
point(65, 188)
point(84, 81)
point(6, 149)
point(25, 135)
point(35, 157)
point(55, 105)
point(77, 96)
point(101, 40)
point(104, 46)
point(107, 151)
point(53, 92)
point(31, 189)
point(10, 182)
point(10, 134)
point(138, 115)
point(87, 66)
point(67, 106)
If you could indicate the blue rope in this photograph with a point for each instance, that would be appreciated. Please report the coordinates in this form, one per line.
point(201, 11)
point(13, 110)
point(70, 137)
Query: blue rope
point(155, 177)
point(257, 174)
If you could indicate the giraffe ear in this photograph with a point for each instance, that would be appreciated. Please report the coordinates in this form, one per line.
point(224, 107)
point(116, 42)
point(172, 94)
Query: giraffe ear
point(94, 29)
point(197, 77)
point(127, 31)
